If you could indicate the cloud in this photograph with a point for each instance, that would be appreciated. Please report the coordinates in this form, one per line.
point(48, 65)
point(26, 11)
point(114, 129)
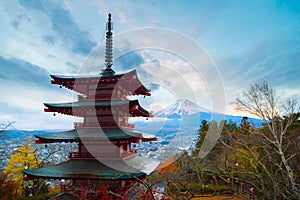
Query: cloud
point(33, 119)
point(28, 34)
point(276, 63)
point(249, 41)
point(128, 61)
point(24, 89)
point(173, 78)
point(23, 103)
point(63, 25)
point(22, 72)
point(124, 59)
point(49, 39)
point(31, 4)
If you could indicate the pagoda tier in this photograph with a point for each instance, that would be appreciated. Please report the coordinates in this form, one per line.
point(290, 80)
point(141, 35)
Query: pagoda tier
point(104, 113)
point(80, 173)
point(104, 86)
point(125, 108)
point(112, 134)
point(106, 143)
point(94, 169)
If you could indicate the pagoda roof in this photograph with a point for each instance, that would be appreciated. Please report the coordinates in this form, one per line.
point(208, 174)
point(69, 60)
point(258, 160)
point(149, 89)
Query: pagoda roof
point(94, 169)
point(70, 107)
point(101, 103)
point(94, 134)
point(68, 81)
point(89, 77)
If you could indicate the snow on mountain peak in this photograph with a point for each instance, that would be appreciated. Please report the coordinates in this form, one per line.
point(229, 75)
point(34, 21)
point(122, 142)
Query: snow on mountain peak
point(182, 107)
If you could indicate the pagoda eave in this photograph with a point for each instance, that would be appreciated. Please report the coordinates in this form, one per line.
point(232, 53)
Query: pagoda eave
point(129, 81)
point(140, 113)
point(93, 135)
point(79, 108)
point(150, 140)
point(94, 169)
point(45, 141)
point(137, 92)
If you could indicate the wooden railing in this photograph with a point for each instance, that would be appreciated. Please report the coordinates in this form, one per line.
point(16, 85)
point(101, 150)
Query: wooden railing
point(125, 154)
point(103, 124)
point(126, 125)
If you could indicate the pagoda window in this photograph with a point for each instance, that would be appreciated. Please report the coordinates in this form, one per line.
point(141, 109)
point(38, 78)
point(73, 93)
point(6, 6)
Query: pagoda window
point(121, 149)
point(128, 147)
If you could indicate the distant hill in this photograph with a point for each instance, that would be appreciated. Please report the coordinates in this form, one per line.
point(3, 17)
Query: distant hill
point(20, 135)
point(184, 115)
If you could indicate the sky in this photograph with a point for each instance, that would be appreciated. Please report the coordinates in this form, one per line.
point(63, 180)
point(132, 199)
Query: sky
point(205, 51)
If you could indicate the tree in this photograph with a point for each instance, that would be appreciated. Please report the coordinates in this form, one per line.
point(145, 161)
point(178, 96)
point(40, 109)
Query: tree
point(202, 134)
point(7, 188)
point(262, 101)
point(4, 126)
point(23, 158)
point(245, 126)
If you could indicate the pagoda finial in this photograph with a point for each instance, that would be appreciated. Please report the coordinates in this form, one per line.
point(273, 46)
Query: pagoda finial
point(109, 48)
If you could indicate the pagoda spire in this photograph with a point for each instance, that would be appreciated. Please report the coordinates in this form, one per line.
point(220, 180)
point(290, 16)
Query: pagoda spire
point(109, 45)
point(108, 71)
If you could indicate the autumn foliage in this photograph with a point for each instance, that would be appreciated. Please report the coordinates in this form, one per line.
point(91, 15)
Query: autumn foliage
point(23, 158)
point(7, 188)
point(169, 166)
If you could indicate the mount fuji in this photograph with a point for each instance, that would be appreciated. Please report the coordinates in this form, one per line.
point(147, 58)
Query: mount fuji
point(182, 107)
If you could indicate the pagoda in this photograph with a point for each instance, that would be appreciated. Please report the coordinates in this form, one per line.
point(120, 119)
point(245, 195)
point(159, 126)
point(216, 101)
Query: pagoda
point(104, 166)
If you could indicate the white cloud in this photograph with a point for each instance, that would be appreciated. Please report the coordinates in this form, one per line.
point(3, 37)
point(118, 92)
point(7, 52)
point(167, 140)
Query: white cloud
point(24, 104)
point(5, 118)
point(28, 39)
point(177, 80)
point(31, 97)
point(42, 121)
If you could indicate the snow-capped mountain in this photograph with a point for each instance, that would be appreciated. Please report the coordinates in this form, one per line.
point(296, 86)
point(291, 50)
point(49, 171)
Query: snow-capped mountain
point(182, 107)
point(192, 112)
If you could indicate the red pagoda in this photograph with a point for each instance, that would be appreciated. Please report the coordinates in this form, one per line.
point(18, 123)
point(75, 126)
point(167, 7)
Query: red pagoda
point(105, 165)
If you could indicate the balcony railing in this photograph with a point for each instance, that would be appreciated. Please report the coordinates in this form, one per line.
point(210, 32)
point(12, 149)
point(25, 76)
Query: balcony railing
point(103, 124)
point(125, 154)
point(126, 125)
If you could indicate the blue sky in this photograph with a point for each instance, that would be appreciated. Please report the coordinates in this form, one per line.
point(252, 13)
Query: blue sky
point(248, 41)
